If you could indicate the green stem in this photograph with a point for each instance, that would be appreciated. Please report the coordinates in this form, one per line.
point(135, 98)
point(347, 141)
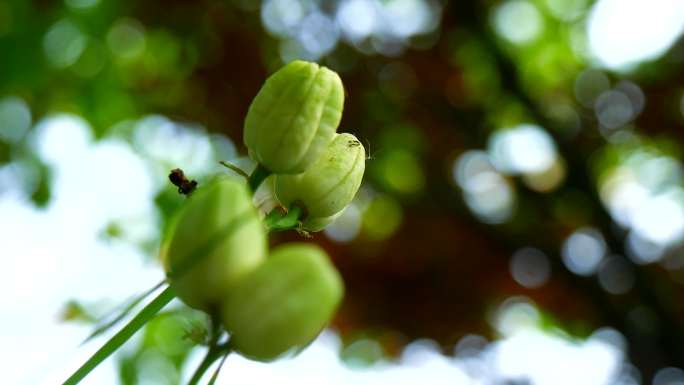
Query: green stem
point(214, 377)
point(214, 353)
point(146, 314)
point(258, 175)
point(234, 168)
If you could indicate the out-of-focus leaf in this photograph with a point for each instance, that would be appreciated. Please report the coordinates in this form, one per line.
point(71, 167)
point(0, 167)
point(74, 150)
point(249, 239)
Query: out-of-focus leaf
point(41, 195)
point(74, 311)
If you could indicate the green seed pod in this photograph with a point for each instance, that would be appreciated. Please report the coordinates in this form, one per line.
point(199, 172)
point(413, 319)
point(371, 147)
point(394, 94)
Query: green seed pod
point(284, 304)
point(216, 239)
point(317, 224)
point(294, 117)
point(329, 184)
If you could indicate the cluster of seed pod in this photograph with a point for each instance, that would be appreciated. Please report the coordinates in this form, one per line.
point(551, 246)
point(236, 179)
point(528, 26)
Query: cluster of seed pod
point(216, 255)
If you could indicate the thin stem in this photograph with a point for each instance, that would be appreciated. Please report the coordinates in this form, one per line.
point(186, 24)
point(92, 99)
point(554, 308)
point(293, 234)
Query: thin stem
point(234, 168)
point(204, 365)
point(215, 352)
point(146, 314)
point(258, 175)
point(218, 368)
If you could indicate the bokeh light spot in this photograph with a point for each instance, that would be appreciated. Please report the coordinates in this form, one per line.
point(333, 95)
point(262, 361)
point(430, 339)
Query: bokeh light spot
point(470, 345)
point(408, 17)
point(669, 376)
point(486, 192)
point(126, 39)
point(518, 21)
point(610, 336)
point(81, 4)
point(583, 251)
point(547, 180)
point(61, 139)
point(643, 251)
point(522, 149)
point(19, 178)
point(402, 171)
point(619, 36)
point(614, 109)
point(567, 10)
point(589, 84)
point(346, 226)
point(318, 34)
point(469, 165)
point(516, 314)
point(63, 44)
point(92, 60)
point(15, 119)
point(530, 267)
point(362, 353)
point(280, 17)
point(634, 93)
point(491, 197)
point(382, 217)
point(357, 19)
point(643, 192)
point(661, 218)
point(615, 275)
point(153, 136)
point(311, 29)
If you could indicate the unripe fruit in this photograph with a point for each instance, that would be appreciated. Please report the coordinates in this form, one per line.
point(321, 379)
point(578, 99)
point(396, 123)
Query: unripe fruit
point(284, 304)
point(217, 238)
point(317, 224)
point(329, 184)
point(293, 117)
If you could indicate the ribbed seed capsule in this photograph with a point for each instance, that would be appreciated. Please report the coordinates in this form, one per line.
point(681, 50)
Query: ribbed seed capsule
point(329, 184)
point(293, 117)
point(216, 239)
point(284, 304)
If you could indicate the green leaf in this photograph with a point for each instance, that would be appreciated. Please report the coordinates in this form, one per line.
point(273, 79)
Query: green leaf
point(277, 221)
point(146, 314)
point(74, 311)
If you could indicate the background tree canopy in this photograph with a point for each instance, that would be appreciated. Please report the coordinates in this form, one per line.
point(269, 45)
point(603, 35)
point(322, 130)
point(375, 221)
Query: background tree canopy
point(523, 202)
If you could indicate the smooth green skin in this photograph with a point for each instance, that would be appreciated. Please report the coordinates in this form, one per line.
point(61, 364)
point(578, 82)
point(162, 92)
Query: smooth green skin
point(318, 224)
point(329, 184)
point(220, 215)
point(284, 304)
point(294, 117)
